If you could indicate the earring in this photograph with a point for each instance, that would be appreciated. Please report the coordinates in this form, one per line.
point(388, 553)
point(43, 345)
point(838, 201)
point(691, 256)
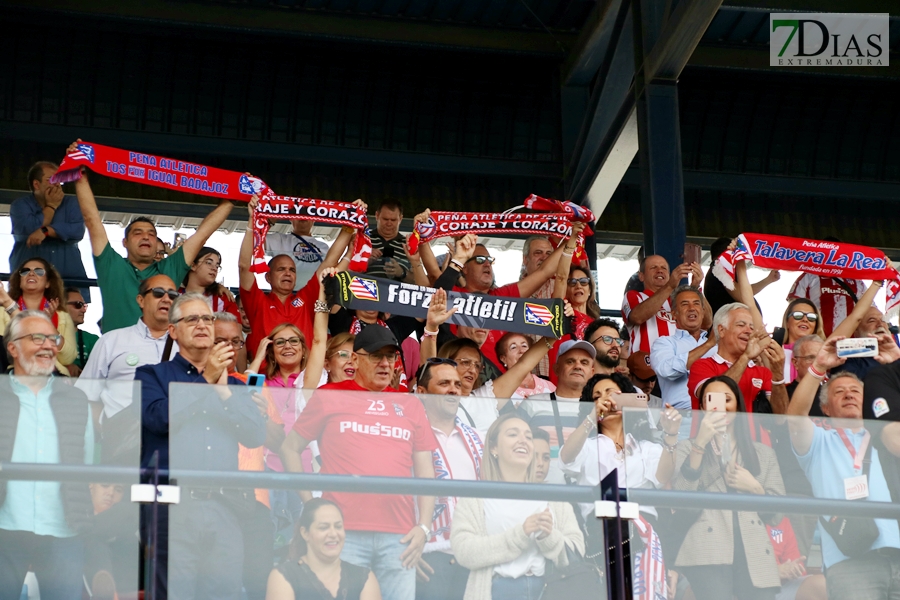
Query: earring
point(495, 456)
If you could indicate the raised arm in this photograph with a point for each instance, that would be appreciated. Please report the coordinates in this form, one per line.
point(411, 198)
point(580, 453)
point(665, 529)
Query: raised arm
point(506, 384)
point(849, 325)
point(207, 227)
point(802, 400)
point(437, 316)
point(565, 261)
point(88, 205)
point(245, 258)
point(315, 361)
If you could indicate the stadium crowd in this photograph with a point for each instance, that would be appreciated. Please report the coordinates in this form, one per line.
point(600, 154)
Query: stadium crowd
point(319, 388)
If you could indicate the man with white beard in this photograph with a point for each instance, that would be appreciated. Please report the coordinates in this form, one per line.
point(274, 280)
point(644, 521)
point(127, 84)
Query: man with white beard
point(42, 420)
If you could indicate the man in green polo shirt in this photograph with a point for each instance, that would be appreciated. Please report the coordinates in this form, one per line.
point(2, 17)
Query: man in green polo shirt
point(119, 278)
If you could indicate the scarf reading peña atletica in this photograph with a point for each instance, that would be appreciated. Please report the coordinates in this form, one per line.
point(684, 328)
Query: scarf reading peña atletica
point(556, 224)
point(823, 258)
point(193, 178)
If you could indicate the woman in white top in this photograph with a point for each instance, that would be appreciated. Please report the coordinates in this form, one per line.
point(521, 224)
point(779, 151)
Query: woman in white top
point(590, 458)
point(507, 544)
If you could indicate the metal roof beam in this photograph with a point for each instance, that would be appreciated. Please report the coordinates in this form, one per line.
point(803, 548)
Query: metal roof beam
point(317, 25)
point(178, 145)
point(593, 44)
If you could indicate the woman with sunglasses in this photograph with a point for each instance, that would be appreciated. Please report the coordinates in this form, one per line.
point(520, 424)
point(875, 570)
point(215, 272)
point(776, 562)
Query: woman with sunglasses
point(510, 348)
point(202, 279)
point(37, 285)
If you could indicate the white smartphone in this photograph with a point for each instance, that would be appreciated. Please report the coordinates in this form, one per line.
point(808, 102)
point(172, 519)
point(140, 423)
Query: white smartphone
point(716, 401)
point(857, 347)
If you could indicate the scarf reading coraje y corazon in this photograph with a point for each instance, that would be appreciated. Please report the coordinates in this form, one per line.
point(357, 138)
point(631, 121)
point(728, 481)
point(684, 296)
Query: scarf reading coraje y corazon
point(556, 224)
point(823, 258)
point(193, 178)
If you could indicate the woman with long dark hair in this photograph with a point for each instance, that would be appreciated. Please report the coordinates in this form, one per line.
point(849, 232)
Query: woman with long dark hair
point(202, 279)
point(725, 552)
point(315, 569)
point(37, 285)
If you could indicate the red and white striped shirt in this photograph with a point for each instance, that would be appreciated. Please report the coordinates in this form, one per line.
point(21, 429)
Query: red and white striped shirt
point(660, 325)
point(833, 301)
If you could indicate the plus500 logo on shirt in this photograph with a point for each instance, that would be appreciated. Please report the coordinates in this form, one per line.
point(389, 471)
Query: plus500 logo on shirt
point(377, 429)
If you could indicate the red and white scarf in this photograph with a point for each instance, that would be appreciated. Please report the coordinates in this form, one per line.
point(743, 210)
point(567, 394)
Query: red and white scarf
point(556, 224)
point(43, 307)
point(445, 505)
point(193, 178)
point(649, 578)
point(827, 259)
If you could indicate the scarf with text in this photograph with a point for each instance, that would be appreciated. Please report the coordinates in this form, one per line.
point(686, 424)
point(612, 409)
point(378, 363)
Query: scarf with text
point(445, 505)
point(344, 214)
point(825, 259)
point(192, 178)
point(556, 224)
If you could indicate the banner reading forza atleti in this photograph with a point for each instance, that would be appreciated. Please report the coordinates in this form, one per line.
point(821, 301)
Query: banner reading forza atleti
point(522, 315)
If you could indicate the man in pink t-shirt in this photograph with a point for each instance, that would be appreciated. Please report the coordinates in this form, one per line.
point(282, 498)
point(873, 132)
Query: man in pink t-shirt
point(364, 429)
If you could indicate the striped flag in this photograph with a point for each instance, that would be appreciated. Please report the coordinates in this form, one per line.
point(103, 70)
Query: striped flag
point(84, 152)
point(364, 289)
point(537, 314)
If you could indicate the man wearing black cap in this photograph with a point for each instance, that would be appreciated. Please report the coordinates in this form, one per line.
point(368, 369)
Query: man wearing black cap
point(362, 431)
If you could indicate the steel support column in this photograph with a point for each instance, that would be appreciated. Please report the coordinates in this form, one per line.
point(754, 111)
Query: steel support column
point(662, 186)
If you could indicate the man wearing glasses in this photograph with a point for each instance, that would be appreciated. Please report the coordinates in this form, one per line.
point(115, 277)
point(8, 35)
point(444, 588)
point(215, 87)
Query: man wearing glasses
point(77, 307)
point(108, 376)
point(671, 356)
point(381, 434)
point(42, 420)
point(209, 428)
point(603, 334)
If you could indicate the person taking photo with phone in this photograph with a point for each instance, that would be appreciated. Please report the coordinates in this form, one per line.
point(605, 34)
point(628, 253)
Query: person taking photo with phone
point(723, 549)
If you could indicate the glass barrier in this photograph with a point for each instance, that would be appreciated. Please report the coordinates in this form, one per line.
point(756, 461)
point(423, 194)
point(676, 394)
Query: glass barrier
point(344, 478)
point(68, 527)
point(758, 505)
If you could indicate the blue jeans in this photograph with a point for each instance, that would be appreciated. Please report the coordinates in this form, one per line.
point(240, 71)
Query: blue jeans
point(529, 587)
point(873, 576)
point(381, 553)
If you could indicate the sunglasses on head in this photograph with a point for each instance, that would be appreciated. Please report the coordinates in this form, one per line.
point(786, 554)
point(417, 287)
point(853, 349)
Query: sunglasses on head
point(480, 260)
point(24, 271)
point(580, 280)
point(798, 315)
point(434, 360)
point(159, 292)
point(77, 304)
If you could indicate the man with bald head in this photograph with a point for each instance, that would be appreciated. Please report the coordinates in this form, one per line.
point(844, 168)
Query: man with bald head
point(282, 304)
point(648, 314)
point(107, 377)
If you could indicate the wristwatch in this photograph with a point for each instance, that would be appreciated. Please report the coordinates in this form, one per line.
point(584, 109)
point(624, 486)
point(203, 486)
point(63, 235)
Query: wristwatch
point(44, 230)
point(426, 530)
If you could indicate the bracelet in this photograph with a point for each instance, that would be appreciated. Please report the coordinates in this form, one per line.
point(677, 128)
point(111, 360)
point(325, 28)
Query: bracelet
point(570, 250)
point(53, 208)
point(816, 374)
point(781, 382)
point(697, 448)
point(11, 308)
point(455, 263)
point(549, 345)
point(670, 448)
point(564, 253)
point(427, 333)
point(587, 424)
point(321, 307)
